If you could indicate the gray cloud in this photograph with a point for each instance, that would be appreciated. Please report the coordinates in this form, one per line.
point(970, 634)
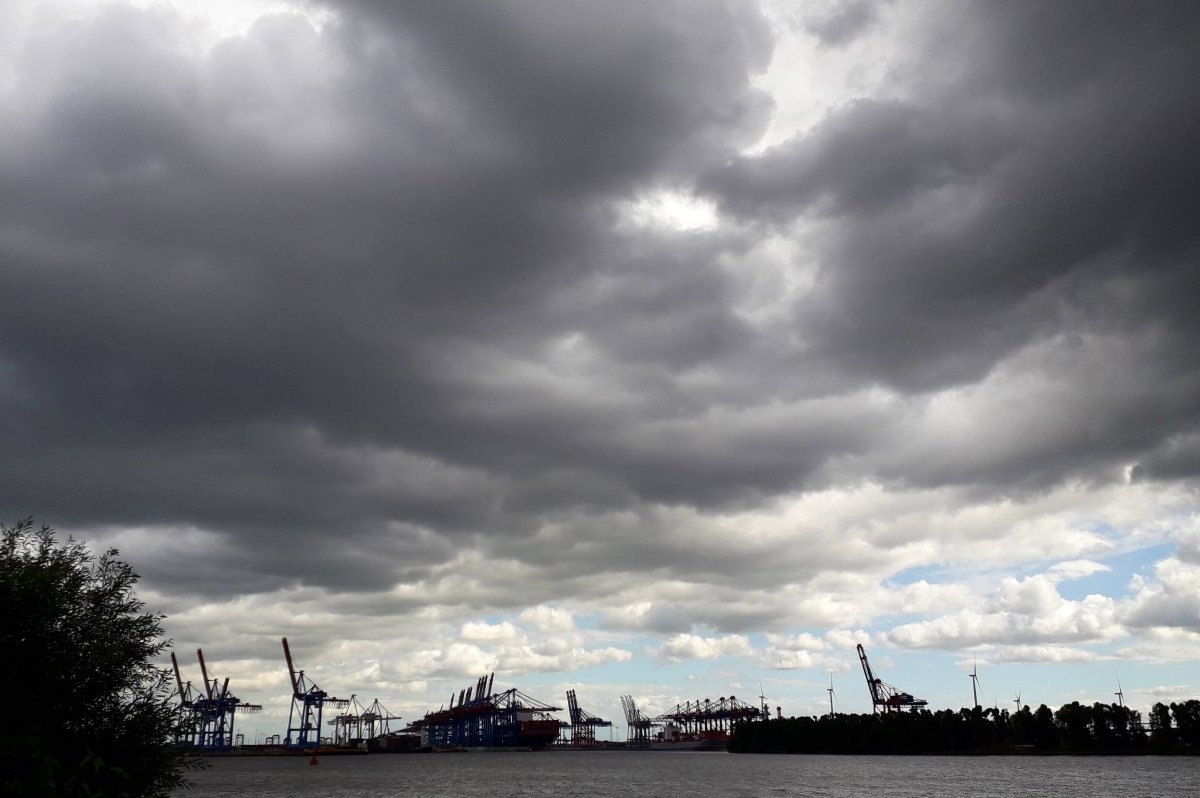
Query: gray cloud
point(362, 307)
point(1037, 200)
point(235, 282)
point(843, 23)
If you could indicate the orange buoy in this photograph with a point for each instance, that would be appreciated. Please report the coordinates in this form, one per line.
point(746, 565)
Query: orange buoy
point(313, 761)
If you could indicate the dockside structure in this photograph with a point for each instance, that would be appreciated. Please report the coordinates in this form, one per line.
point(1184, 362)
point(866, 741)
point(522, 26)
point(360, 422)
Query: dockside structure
point(583, 724)
point(698, 717)
point(481, 718)
point(204, 719)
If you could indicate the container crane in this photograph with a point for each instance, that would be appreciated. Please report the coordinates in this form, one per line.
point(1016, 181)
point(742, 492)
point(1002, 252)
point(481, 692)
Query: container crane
point(308, 705)
point(348, 725)
point(884, 697)
point(583, 724)
point(477, 717)
point(640, 726)
point(187, 728)
point(206, 717)
point(217, 710)
point(375, 720)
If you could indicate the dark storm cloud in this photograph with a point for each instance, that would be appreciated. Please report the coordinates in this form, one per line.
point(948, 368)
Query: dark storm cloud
point(353, 301)
point(844, 22)
point(1049, 189)
point(236, 285)
point(1177, 458)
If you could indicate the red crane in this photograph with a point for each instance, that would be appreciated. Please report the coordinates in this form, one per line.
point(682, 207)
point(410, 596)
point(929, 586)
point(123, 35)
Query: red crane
point(884, 697)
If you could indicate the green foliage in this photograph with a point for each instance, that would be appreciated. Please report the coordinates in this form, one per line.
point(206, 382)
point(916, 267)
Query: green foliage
point(89, 712)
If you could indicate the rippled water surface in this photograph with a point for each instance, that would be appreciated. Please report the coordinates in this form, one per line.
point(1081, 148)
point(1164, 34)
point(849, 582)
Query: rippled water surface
point(705, 775)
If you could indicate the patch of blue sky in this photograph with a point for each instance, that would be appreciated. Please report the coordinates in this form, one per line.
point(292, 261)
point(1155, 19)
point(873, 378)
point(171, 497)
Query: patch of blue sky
point(929, 573)
point(588, 621)
point(898, 617)
point(1115, 583)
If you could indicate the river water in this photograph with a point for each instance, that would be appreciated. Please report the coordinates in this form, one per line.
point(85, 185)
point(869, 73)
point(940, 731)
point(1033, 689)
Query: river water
point(609, 774)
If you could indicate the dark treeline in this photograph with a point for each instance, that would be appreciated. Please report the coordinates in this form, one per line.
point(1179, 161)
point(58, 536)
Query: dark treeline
point(1074, 728)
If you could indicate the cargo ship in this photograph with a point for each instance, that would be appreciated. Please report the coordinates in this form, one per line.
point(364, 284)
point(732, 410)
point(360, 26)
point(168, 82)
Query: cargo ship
point(396, 744)
point(674, 738)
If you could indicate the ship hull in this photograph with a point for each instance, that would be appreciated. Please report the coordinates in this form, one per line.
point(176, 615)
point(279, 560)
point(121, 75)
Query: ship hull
point(695, 744)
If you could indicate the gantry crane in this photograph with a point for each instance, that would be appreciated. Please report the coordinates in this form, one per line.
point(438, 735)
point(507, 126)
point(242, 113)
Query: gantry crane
point(218, 710)
point(206, 718)
point(347, 726)
point(375, 720)
point(640, 726)
point(187, 725)
point(884, 697)
point(308, 705)
point(477, 717)
point(583, 724)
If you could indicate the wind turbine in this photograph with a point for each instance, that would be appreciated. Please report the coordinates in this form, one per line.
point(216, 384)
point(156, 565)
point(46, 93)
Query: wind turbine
point(1017, 701)
point(1120, 694)
point(762, 698)
point(829, 690)
point(974, 681)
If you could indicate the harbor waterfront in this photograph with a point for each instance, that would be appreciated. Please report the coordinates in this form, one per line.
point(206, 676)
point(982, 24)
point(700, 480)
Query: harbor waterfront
point(559, 774)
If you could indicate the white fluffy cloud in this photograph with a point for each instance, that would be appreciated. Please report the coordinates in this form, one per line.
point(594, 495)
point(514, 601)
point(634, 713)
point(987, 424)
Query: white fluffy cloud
point(1171, 600)
point(1025, 611)
point(691, 646)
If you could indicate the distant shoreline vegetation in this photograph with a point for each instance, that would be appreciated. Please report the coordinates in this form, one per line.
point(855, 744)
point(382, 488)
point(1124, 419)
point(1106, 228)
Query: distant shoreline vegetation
point(1074, 729)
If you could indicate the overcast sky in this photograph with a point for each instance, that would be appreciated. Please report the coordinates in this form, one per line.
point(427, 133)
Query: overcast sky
point(652, 348)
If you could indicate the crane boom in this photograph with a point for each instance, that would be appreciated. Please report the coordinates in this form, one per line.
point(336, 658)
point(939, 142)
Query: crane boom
point(308, 704)
point(883, 695)
point(208, 691)
point(178, 678)
point(872, 682)
point(573, 707)
point(287, 653)
point(205, 719)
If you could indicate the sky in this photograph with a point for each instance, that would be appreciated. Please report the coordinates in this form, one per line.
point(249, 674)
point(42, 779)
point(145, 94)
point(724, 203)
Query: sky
point(656, 349)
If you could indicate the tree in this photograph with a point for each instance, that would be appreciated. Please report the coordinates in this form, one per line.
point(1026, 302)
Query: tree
point(1045, 733)
point(1075, 722)
point(88, 713)
point(1186, 715)
point(1161, 732)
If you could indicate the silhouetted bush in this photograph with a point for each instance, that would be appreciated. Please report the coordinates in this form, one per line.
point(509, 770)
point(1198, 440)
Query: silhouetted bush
point(89, 712)
point(1074, 728)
